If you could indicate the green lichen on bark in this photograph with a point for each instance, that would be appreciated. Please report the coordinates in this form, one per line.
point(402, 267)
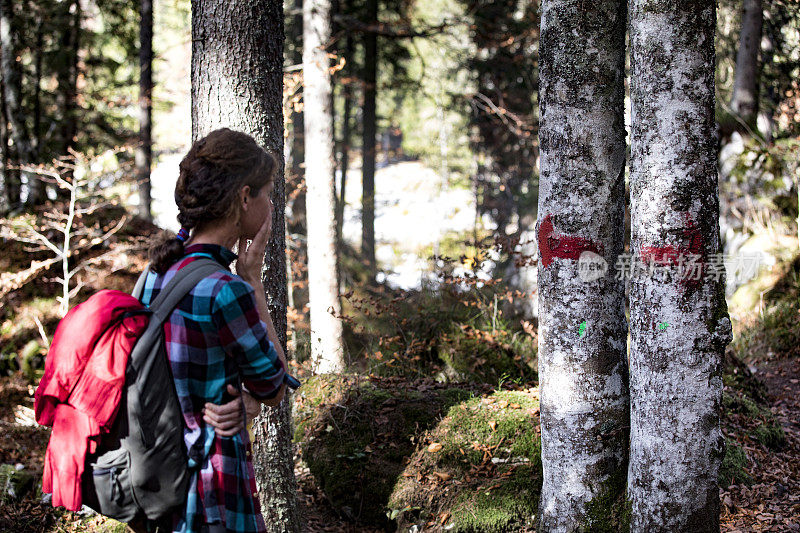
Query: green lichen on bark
point(610, 510)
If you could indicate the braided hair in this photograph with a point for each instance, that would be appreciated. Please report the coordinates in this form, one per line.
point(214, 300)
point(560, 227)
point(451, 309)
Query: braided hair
point(211, 176)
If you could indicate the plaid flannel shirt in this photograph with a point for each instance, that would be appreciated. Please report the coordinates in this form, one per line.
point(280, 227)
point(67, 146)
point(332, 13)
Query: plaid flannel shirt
point(215, 337)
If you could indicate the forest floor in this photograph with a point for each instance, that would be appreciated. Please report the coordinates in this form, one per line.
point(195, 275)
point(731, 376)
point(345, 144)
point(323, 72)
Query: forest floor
point(772, 502)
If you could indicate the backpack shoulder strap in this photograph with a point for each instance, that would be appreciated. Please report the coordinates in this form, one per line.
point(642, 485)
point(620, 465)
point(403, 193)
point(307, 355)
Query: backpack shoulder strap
point(179, 286)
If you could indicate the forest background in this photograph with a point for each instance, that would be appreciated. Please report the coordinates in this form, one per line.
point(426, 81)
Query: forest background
point(437, 294)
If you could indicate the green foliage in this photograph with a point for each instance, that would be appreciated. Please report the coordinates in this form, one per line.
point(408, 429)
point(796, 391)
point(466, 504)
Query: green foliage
point(31, 359)
point(14, 484)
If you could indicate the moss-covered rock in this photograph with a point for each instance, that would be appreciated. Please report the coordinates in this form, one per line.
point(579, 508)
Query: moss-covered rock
point(357, 434)
point(478, 470)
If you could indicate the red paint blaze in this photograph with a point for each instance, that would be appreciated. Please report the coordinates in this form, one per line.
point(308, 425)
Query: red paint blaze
point(670, 255)
point(562, 246)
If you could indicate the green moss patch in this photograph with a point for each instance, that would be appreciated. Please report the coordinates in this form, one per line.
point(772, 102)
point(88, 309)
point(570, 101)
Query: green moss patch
point(747, 421)
point(610, 511)
point(357, 435)
point(479, 469)
point(734, 466)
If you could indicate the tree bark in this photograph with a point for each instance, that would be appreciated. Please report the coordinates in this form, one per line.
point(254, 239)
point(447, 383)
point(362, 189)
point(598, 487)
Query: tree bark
point(144, 150)
point(68, 82)
point(37, 82)
point(12, 100)
point(582, 331)
point(344, 161)
point(323, 299)
point(9, 196)
point(368, 144)
point(745, 85)
point(237, 82)
point(344, 144)
point(679, 324)
point(5, 201)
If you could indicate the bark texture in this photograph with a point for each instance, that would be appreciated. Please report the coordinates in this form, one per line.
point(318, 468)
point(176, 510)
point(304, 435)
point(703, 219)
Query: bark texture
point(323, 288)
point(679, 325)
point(237, 82)
point(582, 328)
point(144, 152)
point(745, 84)
point(368, 145)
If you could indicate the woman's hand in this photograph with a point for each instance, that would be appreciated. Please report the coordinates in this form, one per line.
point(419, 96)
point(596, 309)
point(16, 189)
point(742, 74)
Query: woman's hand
point(226, 419)
point(248, 266)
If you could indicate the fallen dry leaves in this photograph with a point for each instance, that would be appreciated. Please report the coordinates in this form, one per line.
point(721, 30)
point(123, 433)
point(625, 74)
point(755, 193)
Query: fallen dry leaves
point(772, 503)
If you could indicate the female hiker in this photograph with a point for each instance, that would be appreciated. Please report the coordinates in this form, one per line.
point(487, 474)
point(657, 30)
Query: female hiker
point(221, 334)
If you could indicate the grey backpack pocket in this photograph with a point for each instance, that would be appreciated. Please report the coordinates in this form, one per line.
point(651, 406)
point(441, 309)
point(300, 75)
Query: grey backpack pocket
point(107, 485)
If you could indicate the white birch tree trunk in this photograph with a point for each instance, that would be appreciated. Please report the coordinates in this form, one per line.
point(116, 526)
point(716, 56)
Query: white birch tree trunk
point(679, 325)
point(237, 82)
point(582, 328)
point(323, 289)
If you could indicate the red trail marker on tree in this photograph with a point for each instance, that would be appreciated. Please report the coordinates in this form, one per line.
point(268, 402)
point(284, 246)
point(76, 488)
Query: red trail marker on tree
point(562, 246)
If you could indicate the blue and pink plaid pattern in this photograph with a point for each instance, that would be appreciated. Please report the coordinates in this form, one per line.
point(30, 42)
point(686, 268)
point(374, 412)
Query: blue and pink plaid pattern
point(216, 337)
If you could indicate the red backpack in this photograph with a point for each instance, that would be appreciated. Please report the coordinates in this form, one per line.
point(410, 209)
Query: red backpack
point(107, 391)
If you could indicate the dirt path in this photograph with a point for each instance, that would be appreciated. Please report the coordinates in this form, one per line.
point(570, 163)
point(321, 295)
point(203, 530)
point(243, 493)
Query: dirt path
point(772, 503)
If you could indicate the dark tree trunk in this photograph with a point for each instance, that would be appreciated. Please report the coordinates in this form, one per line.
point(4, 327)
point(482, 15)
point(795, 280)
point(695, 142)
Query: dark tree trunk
point(295, 191)
point(10, 176)
point(745, 85)
point(5, 201)
point(323, 288)
point(678, 315)
point(12, 100)
point(297, 152)
point(144, 150)
point(582, 328)
point(9, 197)
point(237, 82)
point(368, 144)
point(347, 105)
point(37, 79)
point(67, 76)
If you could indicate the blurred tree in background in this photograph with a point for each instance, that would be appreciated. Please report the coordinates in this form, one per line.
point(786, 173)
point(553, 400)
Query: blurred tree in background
point(503, 113)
